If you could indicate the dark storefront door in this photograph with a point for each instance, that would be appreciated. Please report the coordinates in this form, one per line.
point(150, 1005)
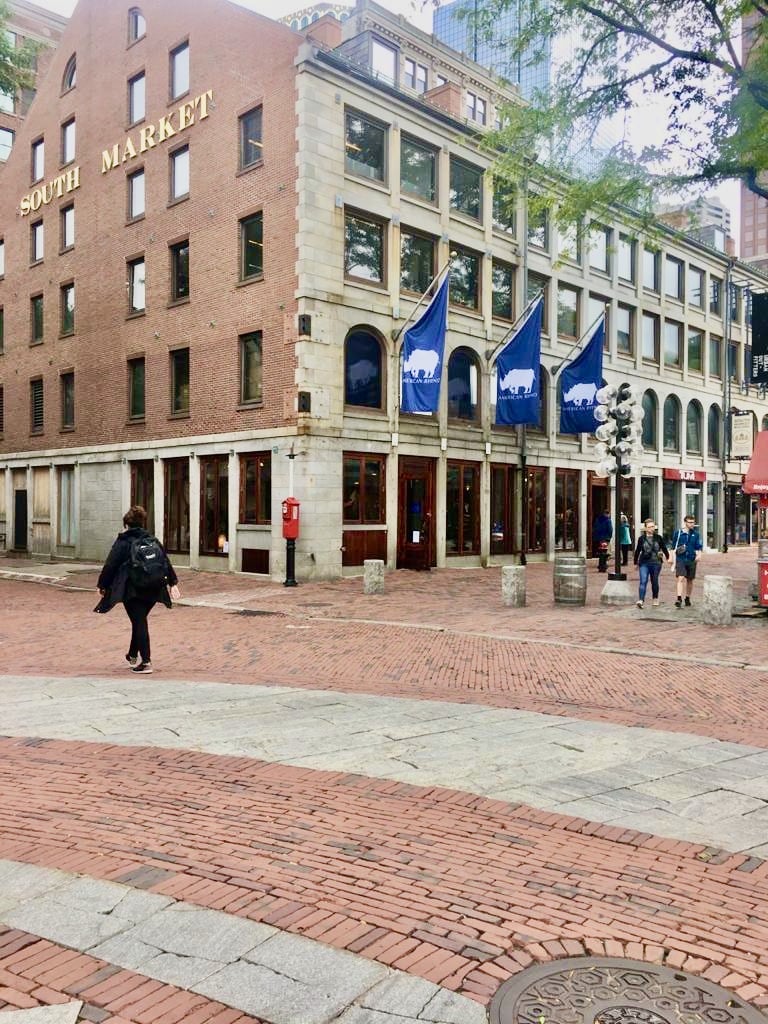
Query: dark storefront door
point(416, 513)
point(20, 520)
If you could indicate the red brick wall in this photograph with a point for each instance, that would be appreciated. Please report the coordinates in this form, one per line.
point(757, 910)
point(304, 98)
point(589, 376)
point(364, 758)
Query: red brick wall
point(245, 59)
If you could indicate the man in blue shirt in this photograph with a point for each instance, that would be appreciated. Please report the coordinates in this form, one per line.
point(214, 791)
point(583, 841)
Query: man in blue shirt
point(686, 545)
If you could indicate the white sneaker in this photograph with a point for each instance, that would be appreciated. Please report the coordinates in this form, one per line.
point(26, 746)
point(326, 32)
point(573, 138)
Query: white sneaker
point(655, 602)
point(639, 605)
point(144, 667)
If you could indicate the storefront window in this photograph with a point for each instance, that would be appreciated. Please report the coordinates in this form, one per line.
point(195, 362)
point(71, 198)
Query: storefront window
point(713, 514)
point(502, 510)
point(462, 520)
point(647, 498)
point(463, 385)
point(177, 505)
point(567, 509)
point(670, 514)
point(536, 507)
point(214, 505)
point(363, 489)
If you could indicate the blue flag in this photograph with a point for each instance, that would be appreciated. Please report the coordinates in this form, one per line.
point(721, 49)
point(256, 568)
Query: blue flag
point(423, 355)
point(518, 398)
point(580, 382)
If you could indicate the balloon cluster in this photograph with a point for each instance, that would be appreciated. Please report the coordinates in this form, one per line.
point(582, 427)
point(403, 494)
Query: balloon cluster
point(619, 436)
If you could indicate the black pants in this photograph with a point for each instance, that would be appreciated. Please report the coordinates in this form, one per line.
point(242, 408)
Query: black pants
point(138, 608)
point(625, 549)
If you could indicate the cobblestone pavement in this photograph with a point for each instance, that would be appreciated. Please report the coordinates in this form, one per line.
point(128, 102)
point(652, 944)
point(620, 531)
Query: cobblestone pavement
point(416, 795)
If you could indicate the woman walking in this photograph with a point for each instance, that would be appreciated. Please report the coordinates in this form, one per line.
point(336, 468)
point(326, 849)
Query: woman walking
point(648, 554)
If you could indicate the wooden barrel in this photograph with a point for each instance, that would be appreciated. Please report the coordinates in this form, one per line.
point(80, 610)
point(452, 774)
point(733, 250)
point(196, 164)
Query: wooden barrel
point(570, 579)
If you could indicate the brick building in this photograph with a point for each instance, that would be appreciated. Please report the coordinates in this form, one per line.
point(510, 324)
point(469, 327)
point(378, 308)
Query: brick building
point(205, 257)
point(25, 22)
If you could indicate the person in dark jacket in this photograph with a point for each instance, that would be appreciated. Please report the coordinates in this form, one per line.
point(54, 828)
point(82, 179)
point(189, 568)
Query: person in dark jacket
point(115, 586)
point(650, 549)
point(602, 532)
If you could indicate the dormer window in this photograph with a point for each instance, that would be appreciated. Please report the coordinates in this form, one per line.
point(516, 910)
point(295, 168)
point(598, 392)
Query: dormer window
point(137, 26)
point(69, 81)
point(383, 61)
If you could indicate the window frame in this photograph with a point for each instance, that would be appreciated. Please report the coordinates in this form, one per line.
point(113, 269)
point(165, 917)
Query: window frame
point(176, 249)
point(242, 340)
point(655, 256)
point(564, 286)
point(715, 344)
point(606, 234)
point(670, 263)
point(132, 267)
point(464, 466)
point(378, 377)
point(175, 356)
point(626, 245)
point(64, 243)
point(457, 163)
point(243, 135)
point(692, 273)
point(5, 131)
point(678, 327)
point(37, 146)
point(173, 157)
point(656, 320)
point(140, 76)
point(508, 267)
point(407, 140)
point(173, 92)
point(130, 179)
point(365, 119)
point(69, 78)
point(36, 401)
point(133, 365)
point(691, 332)
point(67, 386)
point(37, 306)
point(473, 363)
point(220, 465)
point(632, 311)
point(66, 328)
point(362, 519)
point(64, 158)
point(260, 459)
point(381, 226)
point(36, 234)
point(431, 240)
point(252, 218)
point(134, 35)
point(462, 250)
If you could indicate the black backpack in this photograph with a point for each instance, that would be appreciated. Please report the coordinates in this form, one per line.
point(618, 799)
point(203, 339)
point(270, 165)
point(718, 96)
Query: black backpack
point(147, 566)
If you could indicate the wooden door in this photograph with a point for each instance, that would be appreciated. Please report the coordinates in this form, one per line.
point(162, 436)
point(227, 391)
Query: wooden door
point(416, 513)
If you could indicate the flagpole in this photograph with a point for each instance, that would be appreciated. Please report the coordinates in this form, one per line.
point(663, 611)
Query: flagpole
point(524, 435)
point(396, 334)
point(499, 348)
point(577, 344)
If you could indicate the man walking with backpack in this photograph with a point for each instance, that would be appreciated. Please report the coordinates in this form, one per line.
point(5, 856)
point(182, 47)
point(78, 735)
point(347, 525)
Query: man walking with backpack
point(687, 545)
point(137, 573)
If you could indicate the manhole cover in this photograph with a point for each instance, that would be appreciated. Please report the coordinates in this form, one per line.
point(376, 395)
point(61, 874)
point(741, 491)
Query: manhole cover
point(586, 990)
point(254, 611)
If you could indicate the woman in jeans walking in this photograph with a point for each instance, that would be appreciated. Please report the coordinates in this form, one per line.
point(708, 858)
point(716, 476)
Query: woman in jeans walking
point(648, 554)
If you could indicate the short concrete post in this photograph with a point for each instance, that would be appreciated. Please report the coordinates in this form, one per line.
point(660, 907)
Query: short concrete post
point(717, 605)
point(373, 576)
point(513, 586)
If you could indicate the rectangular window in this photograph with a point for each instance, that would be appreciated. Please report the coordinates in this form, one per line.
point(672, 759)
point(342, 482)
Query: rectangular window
point(251, 148)
point(477, 108)
point(67, 296)
point(2, 410)
point(696, 287)
point(67, 400)
point(256, 488)
point(417, 261)
point(599, 247)
point(695, 345)
point(365, 147)
point(418, 169)
point(597, 306)
point(180, 381)
point(650, 338)
point(68, 141)
point(180, 271)
point(2, 258)
point(716, 296)
point(503, 278)
point(462, 517)
point(538, 284)
point(136, 388)
point(734, 304)
point(464, 287)
point(36, 319)
point(137, 286)
point(673, 343)
point(250, 368)
point(503, 509)
point(466, 188)
point(38, 160)
point(538, 228)
point(251, 246)
point(36, 242)
point(7, 102)
point(733, 360)
point(177, 504)
point(651, 266)
point(384, 61)
point(137, 99)
point(136, 197)
point(137, 26)
point(625, 330)
point(2, 329)
point(626, 258)
point(179, 168)
point(673, 278)
point(67, 224)
point(414, 75)
point(504, 207)
point(179, 71)
point(36, 409)
point(214, 505)
point(363, 249)
point(567, 311)
point(715, 356)
point(363, 489)
point(569, 243)
point(6, 143)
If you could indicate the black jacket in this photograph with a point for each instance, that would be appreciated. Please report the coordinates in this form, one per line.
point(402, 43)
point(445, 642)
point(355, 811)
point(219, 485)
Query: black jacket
point(639, 547)
point(113, 579)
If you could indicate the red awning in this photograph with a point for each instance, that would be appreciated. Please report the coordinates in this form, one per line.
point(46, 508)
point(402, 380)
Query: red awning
point(756, 480)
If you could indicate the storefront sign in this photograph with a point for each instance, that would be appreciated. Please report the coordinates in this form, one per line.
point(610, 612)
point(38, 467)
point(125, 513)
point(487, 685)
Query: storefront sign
point(55, 189)
point(759, 368)
point(152, 135)
point(742, 440)
point(691, 475)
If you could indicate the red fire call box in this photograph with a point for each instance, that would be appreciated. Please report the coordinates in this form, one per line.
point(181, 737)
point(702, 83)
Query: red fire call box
point(762, 583)
point(291, 518)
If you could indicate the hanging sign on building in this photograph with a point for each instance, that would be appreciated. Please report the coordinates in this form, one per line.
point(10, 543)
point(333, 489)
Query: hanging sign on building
point(759, 367)
point(691, 475)
point(742, 439)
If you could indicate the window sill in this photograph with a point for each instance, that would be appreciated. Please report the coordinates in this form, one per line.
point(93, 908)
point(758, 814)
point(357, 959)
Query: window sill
point(466, 218)
point(420, 201)
point(35, 263)
point(178, 302)
point(67, 164)
point(504, 319)
point(473, 312)
point(34, 344)
point(66, 334)
point(177, 200)
point(133, 421)
point(36, 433)
point(254, 527)
point(249, 280)
point(179, 415)
point(362, 179)
point(66, 92)
point(135, 220)
point(364, 410)
point(132, 42)
point(130, 125)
point(360, 282)
point(66, 249)
point(137, 314)
point(214, 554)
point(67, 430)
point(251, 167)
point(248, 406)
point(172, 100)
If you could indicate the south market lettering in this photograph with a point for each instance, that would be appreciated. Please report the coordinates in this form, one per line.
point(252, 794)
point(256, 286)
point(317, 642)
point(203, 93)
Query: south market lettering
point(45, 194)
point(152, 135)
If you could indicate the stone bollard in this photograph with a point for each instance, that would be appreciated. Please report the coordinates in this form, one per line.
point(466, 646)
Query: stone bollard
point(717, 605)
point(373, 576)
point(513, 586)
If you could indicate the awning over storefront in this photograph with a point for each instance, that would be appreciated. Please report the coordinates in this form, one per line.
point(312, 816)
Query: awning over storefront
point(756, 480)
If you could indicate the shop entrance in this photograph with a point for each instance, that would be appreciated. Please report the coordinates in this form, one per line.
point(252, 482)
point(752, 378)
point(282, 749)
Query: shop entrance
point(415, 513)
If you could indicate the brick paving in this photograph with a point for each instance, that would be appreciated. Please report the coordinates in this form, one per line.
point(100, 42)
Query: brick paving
point(35, 972)
point(454, 888)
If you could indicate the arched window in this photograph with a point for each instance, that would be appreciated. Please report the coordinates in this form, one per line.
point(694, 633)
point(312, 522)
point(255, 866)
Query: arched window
point(362, 369)
point(344, 16)
point(671, 425)
point(650, 421)
point(463, 385)
point(304, 21)
point(693, 428)
point(316, 16)
point(69, 81)
point(295, 24)
point(713, 431)
point(137, 25)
